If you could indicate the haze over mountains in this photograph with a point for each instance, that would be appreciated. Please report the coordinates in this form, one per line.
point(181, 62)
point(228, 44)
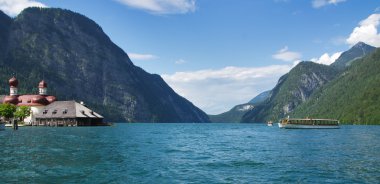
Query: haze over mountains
point(345, 90)
point(79, 61)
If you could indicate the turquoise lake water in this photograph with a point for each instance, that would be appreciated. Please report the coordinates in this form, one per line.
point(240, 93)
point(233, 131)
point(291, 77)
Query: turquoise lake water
point(189, 153)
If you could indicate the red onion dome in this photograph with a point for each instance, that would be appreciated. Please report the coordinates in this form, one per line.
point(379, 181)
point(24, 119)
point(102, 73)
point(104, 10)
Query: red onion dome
point(13, 82)
point(42, 84)
point(11, 100)
point(40, 99)
point(51, 98)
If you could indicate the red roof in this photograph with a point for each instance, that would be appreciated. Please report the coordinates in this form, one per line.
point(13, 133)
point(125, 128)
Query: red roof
point(29, 100)
point(11, 100)
point(51, 98)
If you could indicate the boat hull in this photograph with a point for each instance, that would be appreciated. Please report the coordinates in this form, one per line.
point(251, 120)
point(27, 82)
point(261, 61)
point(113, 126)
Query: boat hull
point(293, 126)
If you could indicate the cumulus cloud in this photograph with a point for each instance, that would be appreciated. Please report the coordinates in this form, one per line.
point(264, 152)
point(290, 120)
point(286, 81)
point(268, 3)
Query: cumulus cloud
point(14, 7)
point(162, 6)
point(216, 91)
point(135, 56)
point(285, 55)
point(321, 3)
point(326, 59)
point(366, 31)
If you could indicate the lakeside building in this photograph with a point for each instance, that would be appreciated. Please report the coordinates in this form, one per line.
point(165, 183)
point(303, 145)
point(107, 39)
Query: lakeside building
point(36, 102)
point(67, 113)
point(46, 108)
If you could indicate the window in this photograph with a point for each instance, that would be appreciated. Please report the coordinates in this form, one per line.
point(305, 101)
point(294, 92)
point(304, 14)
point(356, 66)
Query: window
point(45, 111)
point(64, 111)
point(54, 112)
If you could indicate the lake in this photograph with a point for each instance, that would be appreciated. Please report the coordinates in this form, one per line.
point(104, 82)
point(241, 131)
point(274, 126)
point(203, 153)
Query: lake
point(189, 153)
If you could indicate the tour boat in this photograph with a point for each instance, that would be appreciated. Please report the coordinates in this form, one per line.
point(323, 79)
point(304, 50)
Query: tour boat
point(308, 123)
point(270, 123)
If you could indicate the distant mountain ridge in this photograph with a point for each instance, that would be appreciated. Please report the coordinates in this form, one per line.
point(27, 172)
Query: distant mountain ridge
point(79, 61)
point(299, 92)
point(358, 51)
point(261, 97)
point(232, 116)
point(235, 114)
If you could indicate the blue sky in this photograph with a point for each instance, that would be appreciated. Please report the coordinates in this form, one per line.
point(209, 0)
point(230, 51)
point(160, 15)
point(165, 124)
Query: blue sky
point(219, 53)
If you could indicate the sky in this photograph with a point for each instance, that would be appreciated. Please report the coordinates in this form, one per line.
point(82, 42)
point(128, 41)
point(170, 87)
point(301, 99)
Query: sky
point(220, 53)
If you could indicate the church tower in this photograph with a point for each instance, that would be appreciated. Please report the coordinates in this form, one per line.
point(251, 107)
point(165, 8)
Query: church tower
point(13, 83)
point(42, 86)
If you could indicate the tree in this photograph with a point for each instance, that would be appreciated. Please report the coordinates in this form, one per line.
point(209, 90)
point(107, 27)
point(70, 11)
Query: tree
point(7, 110)
point(22, 112)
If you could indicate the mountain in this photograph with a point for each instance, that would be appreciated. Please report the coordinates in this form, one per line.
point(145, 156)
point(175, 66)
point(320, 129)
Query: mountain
point(261, 97)
point(235, 114)
point(356, 52)
point(353, 97)
point(232, 116)
point(79, 61)
point(5, 23)
point(292, 89)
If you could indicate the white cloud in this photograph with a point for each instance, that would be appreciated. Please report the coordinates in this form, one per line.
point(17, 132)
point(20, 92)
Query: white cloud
point(321, 3)
point(216, 91)
point(180, 61)
point(326, 59)
point(135, 56)
point(162, 6)
point(14, 7)
point(366, 32)
point(285, 55)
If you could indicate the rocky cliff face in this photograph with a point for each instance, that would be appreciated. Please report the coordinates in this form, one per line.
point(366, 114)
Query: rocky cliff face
point(352, 97)
point(79, 61)
point(291, 90)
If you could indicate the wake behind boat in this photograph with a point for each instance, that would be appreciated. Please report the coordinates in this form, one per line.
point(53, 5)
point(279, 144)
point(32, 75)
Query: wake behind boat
point(308, 123)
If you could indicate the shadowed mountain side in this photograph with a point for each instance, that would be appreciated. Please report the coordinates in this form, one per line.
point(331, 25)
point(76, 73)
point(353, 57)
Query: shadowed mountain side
point(79, 61)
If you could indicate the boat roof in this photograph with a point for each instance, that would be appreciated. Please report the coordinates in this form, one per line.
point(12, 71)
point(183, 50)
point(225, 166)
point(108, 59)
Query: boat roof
point(312, 119)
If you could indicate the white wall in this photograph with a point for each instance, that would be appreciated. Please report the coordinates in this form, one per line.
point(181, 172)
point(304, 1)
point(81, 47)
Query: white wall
point(35, 110)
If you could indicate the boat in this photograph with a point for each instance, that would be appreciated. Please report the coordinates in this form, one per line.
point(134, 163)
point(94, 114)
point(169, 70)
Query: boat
point(10, 125)
point(308, 123)
point(270, 123)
